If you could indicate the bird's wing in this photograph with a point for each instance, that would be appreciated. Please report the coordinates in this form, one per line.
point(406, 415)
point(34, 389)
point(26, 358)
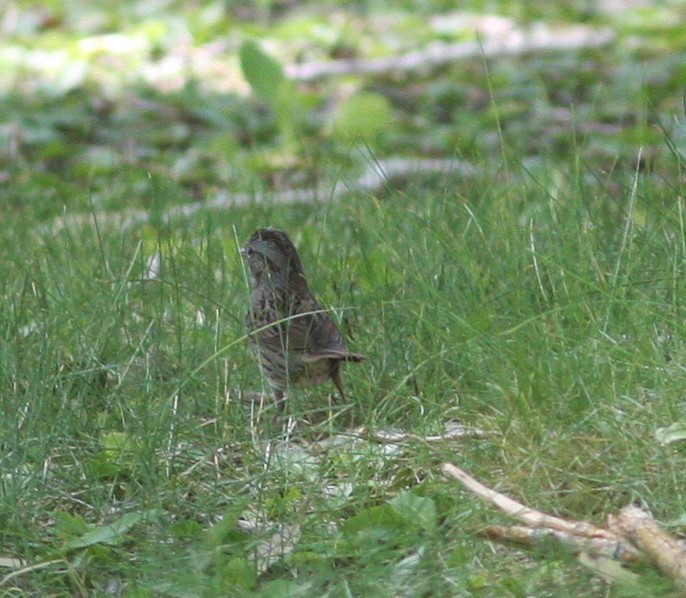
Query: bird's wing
point(309, 331)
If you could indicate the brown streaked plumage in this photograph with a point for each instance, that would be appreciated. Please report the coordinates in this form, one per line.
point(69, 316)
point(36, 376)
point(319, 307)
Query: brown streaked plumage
point(295, 342)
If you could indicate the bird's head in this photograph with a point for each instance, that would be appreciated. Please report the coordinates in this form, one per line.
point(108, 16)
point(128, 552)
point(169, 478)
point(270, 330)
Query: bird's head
point(272, 258)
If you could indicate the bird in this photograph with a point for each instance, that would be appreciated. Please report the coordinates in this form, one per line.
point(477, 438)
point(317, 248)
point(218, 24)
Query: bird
point(295, 342)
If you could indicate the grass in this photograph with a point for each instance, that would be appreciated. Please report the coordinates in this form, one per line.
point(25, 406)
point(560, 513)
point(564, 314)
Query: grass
point(540, 299)
point(541, 303)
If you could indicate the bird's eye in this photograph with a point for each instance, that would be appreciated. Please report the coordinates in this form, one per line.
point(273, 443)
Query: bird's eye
point(247, 251)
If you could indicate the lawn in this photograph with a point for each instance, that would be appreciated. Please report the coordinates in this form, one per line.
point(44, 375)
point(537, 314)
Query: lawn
point(519, 270)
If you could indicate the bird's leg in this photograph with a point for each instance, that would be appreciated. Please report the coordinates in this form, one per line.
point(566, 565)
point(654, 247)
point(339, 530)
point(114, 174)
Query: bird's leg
point(336, 377)
point(289, 425)
point(279, 399)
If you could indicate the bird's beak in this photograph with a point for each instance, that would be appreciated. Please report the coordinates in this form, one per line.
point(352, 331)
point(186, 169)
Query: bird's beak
point(244, 251)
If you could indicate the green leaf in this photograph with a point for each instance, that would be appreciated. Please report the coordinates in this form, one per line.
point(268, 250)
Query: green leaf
point(417, 510)
point(115, 458)
point(112, 533)
point(239, 573)
point(375, 520)
point(265, 75)
point(116, 445)
point(102, 467)
point(186, 529)
point(225, 529)
point(69, 525)
point(270, 84)
point(362, 117)
point(673, 433)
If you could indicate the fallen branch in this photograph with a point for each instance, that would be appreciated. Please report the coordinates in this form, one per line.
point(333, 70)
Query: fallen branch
point(529, 516)
point(527, 536)
point(375, 177)
point(632, 535)
point(540, 38)
point(668, 554)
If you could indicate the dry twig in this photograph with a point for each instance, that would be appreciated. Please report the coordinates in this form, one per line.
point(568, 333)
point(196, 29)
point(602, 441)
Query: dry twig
point(453, 433)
